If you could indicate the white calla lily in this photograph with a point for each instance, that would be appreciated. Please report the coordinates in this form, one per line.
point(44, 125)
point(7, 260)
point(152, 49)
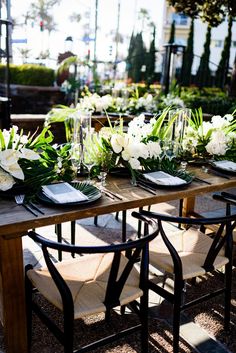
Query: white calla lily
point(15, 170)
point(29, 154)
point(9, 156)
point(117, 142)
point(6, 180)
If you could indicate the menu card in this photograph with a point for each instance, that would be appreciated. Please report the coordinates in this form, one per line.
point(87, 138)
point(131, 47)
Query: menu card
point(163, 178)
point(63, 193)
point(227, 165)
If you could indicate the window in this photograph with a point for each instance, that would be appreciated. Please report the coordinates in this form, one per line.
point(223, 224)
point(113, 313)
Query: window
point(217, 43)
point(180, 19)
point(233, 43)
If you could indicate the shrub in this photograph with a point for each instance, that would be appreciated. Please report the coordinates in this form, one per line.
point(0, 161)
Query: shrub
point(29, 74)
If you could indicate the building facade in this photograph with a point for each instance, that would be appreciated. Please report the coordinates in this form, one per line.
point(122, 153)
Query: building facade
point(182, 26)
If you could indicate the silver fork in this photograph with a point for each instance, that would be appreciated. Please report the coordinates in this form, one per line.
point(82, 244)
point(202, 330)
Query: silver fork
point(20, 201)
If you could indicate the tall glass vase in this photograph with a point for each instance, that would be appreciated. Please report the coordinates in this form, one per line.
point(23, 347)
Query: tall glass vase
point(81, 129)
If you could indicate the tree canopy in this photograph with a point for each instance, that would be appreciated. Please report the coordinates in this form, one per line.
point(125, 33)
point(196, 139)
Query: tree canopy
point(40, 10)
point(211, 11)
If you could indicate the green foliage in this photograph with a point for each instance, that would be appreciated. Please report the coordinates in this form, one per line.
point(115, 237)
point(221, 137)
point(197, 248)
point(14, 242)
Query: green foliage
point(188, 58)
point(151, 60)
point(137, 58)
point(212, 100)
point(223, 66)
point(130, 54)
point(212, 12)
point(203, 73)
point(29, 74)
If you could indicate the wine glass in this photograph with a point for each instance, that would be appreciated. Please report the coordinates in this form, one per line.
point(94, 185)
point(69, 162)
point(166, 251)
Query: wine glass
point(89, 154)
point(76, 157)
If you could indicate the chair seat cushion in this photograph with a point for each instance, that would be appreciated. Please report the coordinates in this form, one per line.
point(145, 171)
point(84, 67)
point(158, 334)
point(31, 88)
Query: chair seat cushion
point(192, 247)
point(86, 277)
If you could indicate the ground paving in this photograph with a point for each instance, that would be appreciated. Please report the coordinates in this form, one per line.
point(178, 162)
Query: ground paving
point(109, 229)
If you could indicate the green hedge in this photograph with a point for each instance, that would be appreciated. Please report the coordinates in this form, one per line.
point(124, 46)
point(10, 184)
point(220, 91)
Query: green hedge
point(211, 100)
point(28, 74)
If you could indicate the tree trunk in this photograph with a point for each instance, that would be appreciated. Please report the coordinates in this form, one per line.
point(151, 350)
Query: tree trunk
point(232, 88)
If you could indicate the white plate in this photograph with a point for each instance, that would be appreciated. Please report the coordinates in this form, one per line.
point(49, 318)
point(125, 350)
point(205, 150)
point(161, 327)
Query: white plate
point(225, 165)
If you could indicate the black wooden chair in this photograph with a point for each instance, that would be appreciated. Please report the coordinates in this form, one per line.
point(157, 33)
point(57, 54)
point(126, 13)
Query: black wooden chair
point(98, 279)
point(230, 200)
point(188, 253)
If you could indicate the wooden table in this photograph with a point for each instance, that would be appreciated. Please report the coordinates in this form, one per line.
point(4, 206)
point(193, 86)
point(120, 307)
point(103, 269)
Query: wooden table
point(15, 221)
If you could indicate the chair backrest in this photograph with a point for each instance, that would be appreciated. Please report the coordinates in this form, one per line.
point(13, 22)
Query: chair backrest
point(228, 198)
point(134, 250)
point(222, 238)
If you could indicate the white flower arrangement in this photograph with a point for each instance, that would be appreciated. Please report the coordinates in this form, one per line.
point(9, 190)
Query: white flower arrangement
point(140, 145)
point(213, 138)
point(12, 149)
point(95, 103)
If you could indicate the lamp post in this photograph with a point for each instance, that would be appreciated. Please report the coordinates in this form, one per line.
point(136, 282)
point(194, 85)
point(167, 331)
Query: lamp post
point(169, 68)
point(68, 43)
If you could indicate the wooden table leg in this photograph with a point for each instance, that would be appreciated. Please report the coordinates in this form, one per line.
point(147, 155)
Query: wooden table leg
point(188, 206)
point(13, 312)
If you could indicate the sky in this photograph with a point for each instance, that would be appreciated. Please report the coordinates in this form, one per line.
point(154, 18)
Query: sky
point(107, 22)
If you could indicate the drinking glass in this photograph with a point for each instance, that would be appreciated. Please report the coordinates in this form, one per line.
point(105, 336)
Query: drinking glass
point(105, 163)
point(180, 123)
point(76, 144)
point(89, 153)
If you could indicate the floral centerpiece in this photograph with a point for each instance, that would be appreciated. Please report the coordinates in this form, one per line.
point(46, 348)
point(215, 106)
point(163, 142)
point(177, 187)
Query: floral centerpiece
point(210, 139)
point(146, 145)
point(31, 160)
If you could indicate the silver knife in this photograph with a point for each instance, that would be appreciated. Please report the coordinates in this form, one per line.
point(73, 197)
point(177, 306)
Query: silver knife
point(35, 207)
point(108, 194)
point(146, 188)
point(202, 180)
point(215, 172)
point(114, 194)
point(29, 209)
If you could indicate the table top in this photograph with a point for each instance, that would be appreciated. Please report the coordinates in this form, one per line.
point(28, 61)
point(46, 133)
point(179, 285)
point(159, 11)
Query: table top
point(15, 220)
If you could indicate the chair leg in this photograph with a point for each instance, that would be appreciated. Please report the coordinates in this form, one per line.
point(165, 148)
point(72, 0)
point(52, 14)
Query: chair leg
point(181, 203)
point(178, 289)
point(139, 224)
point(58, 232)
point(68, 338)
point(124, 214)
point(144, 322)
point(95, 221)
point(28, 299)
point(72, 226)
point(228, 286)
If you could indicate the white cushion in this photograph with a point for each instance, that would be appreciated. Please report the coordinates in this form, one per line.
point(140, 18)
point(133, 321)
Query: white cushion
point(192, 247)
point(86, 277)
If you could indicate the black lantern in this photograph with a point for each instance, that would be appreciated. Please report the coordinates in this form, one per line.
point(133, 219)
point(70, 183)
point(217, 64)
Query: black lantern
point(173, 52)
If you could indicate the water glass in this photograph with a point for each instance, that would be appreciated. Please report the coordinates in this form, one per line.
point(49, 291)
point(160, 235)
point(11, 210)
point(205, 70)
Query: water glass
point(105, 163)
point(89, 153)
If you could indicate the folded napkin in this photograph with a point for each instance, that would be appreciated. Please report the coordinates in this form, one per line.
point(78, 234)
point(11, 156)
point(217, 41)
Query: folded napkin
point(163, 178)
point(227, 165)
point(63, 193)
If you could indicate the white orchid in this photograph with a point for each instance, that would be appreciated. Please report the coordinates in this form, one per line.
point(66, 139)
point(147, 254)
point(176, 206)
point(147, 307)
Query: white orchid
point(95, 103)
point(140, 129)
point(215, 137)
point(218, 144)
point(154, 149)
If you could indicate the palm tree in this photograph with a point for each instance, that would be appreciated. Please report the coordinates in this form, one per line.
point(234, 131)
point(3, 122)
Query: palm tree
point(144, 17)
point(41, 9)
